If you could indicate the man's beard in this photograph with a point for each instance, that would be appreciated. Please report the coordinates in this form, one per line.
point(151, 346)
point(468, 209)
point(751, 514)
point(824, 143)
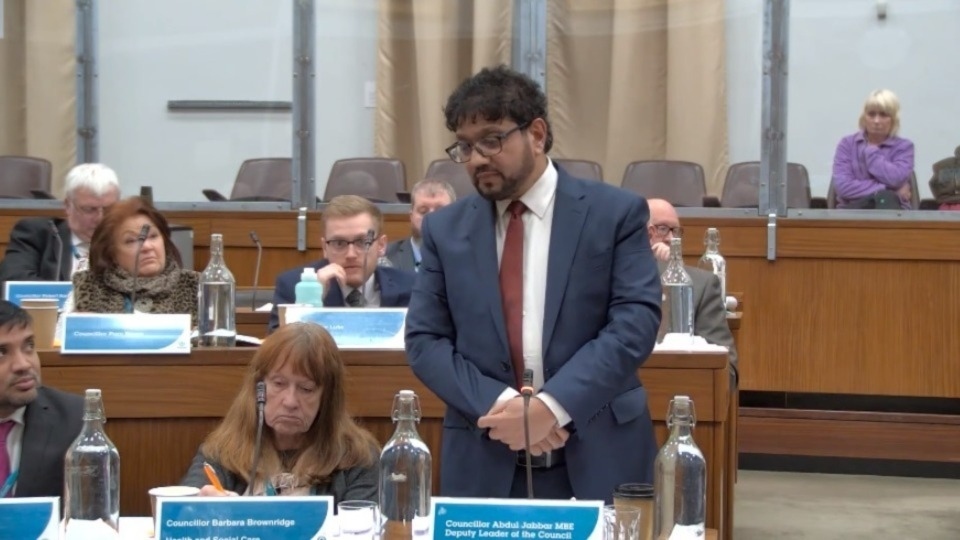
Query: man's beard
point(509, 185)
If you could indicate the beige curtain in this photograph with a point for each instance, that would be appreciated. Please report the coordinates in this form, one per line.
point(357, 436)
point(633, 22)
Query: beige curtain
point(630, 80)
point(426, 48)
point(37, 83)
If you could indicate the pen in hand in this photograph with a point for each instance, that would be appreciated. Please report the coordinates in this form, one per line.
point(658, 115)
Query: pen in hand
point(212, 476)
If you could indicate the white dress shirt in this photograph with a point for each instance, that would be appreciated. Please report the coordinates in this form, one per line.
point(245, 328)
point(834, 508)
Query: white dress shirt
point(15, 438)
point(81, 248)
point(537, 227)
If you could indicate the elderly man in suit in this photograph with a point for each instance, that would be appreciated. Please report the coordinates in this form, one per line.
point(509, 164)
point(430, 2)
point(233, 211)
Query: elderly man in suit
point(426, 196)
point(349, 272)
point(540, 280)
point(709, 313)
point(37, 423)
point(43, 249)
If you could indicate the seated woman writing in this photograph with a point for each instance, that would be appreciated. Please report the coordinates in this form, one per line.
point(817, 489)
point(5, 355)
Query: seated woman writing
point(108, 285)
point(310, 444)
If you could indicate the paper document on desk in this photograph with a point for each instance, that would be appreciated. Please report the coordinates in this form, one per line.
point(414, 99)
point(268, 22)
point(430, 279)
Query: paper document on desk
point(675, 342)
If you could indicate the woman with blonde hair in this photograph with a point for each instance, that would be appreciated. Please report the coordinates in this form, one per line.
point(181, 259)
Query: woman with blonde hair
point(872, 168)
point(310, 444)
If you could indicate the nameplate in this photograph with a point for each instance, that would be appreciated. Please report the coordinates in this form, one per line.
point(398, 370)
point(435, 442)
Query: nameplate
point(17, 291)
point(126, 333)
point(265, 518)
point(32, 518)
point(356, 328)
point(524, 519)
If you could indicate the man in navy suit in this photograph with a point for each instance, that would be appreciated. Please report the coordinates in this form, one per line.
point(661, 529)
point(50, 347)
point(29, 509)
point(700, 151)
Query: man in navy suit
point(574, 307)
point(37, 423)
point(349, 271)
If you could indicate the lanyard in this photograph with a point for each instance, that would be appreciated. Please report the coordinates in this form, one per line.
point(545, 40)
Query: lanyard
point(8, 485)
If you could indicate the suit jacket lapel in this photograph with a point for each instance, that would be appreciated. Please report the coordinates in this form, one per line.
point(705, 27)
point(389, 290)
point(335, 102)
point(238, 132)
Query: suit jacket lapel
point(483, 240)
point(36, 436)
point(66, 254)
point(388, 298)
point(569, 213)
point(406, 248)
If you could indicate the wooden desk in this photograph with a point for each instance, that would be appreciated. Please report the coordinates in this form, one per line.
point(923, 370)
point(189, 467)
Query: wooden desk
point(160, 408)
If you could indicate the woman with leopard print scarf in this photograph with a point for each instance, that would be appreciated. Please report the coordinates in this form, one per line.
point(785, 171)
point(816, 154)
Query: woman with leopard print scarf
point(162, 286)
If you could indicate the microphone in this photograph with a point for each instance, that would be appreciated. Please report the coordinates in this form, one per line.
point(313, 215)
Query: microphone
point(261, 400)
point(256, 277)
point(141, 238)
point(527, 392)
point(367, 242)
point(57, 237)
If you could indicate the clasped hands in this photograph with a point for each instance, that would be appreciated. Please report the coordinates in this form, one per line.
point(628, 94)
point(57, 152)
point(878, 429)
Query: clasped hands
point(505, 422)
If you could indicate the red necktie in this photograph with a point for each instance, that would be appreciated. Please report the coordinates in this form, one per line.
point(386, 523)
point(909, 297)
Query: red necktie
point(5, 428)
point(511, 286)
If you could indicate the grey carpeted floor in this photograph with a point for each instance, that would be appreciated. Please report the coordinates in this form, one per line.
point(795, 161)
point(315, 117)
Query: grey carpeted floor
point(794, 506)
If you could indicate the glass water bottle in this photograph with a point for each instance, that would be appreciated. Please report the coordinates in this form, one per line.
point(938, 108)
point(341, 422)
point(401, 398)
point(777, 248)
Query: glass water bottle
point(713, 262)
point(680, 477)
point(678, 288)
point(405, 473)
point(92, 471)
point(216, 310)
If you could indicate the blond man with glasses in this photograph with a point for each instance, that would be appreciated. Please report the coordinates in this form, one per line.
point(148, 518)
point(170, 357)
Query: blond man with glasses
point(52, 249)
point(353, 241)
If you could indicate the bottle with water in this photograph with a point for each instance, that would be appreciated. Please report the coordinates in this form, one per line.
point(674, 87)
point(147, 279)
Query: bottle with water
point(713, 262)
point(92, 472)
point(405, 473)
point(217, 300)
point(680, 478)
point(678, 288)
point(309, 292)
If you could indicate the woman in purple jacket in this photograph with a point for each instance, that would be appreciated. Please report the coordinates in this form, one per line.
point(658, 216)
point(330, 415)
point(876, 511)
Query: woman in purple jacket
point(874, 161)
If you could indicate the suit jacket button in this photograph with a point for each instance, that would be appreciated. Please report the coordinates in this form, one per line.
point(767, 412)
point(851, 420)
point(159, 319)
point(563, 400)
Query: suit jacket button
point(504, 366)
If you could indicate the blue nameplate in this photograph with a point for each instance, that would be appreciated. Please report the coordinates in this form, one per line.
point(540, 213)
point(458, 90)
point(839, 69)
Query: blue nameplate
point(30, 518)
point(17, 291)
point(126, 333)
point(456, 519)
point(353, 328)
point(265, 518)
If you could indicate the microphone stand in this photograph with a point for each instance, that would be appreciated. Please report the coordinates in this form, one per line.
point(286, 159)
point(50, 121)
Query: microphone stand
point(56, 235)
point(256, 271)
point(527, 392)
point(141, 238)
point(367, 242)
point(261, 400)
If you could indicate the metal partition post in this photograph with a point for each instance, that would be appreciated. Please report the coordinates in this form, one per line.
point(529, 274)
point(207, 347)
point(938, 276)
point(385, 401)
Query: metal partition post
point(773, 145)
point(85, 47)
point(304, 79)
point(530, 39)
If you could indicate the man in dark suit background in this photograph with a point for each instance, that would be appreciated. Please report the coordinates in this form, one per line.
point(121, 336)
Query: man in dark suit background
point(425, 197)
point(709, 311)
point(349, 271)
point(576, 303)
point(37, 424)
point(34, 252)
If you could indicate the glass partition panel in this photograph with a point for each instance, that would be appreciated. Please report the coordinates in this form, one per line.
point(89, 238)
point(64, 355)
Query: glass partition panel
point(191, 90)
point(841, 52)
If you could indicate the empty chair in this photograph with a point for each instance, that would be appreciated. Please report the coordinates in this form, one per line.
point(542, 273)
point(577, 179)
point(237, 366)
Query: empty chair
point(454, 174)
point(388, 174)
point(679, 182)
point(581, 168)
point(741, 189)
point(21, 176)
point(914, 194)
point(262, 179)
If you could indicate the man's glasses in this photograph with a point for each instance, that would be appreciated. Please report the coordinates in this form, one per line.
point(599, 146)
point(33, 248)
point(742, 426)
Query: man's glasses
point(90, 211)
point(663, 230)
point(490, 145)
point(339, 245)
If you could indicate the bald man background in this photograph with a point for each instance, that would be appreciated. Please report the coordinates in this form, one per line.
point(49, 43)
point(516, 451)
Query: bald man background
point(709, 313)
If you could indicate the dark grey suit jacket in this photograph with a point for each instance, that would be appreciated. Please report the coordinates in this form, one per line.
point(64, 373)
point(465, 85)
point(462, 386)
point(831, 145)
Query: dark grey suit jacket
point(709, 310)
point(32, 252)
point(51, 424)
point(400, 254)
